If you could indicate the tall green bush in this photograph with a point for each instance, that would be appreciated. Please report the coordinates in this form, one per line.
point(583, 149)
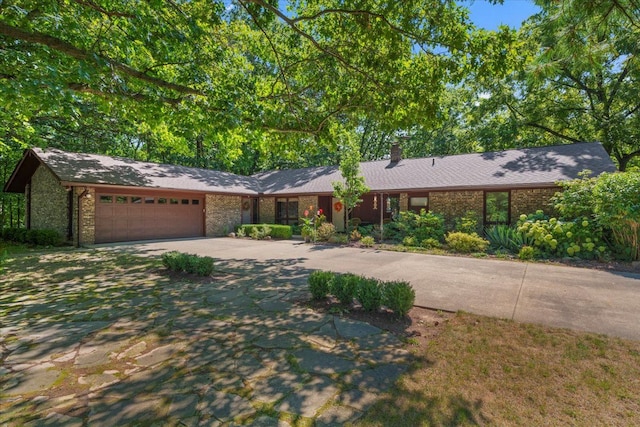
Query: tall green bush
point(611, 201)
point(421, 226)
point(617, 206)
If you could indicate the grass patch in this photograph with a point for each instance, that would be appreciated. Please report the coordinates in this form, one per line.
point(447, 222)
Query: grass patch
point(481, 371)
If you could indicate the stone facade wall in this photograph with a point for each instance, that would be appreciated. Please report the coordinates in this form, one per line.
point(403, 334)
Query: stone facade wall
point(304, 202)
point(223, 214)
point(454, 204)
point(267, 210)
point(404, 202)
point(87, 234)
point(49, 203)
point(527, 201)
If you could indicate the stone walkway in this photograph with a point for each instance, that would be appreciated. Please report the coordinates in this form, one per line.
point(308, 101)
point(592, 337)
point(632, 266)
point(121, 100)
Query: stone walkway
point(147, 348)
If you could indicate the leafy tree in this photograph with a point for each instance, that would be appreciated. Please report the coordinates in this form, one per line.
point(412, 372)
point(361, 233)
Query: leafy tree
point(350, 191)
point(576, 78)
point(241, 86)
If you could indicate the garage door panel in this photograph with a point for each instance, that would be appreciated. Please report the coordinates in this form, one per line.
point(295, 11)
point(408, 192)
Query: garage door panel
point(128, 218)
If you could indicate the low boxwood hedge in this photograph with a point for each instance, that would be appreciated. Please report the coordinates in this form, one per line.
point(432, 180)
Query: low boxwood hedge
point(277, 231)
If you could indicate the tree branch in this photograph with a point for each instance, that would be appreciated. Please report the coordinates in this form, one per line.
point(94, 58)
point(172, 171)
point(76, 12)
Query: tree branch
point(277, 55)
point(83, 55)
point(84, 88)
point(110, 14)
point(552, 132)
point(383, 18)
point(312, 40)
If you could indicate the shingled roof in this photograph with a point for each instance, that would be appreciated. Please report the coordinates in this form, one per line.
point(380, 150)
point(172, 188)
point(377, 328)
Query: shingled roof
point(82, 168)
point(528, 167)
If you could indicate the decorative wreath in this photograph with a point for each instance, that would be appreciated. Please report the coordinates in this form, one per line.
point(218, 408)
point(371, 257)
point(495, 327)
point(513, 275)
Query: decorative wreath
point(337, 206)
point(246, 205)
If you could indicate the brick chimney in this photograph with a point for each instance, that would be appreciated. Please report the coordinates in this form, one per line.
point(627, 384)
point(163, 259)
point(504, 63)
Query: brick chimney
point(396, 152)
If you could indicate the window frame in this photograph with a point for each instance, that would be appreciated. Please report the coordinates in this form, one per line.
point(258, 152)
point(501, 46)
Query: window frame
point(288, 219)
point(486, 222)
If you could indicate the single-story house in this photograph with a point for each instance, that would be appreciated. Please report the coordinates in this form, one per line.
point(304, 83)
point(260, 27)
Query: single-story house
point(94, 198)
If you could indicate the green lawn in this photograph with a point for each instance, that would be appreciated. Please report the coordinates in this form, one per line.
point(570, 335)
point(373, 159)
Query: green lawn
point(485, 371)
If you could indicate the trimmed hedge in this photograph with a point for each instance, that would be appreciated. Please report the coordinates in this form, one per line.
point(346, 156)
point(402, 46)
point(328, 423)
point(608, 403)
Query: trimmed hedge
point(193, 264)
point(370, 293)
point(320, 283)
point(278, 231)
point(33, 237)
point(344, 287)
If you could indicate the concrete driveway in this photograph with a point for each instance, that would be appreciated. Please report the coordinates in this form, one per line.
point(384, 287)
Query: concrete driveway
point(575, 298)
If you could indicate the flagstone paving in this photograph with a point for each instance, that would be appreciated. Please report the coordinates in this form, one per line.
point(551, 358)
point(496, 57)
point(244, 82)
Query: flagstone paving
point(88, 341)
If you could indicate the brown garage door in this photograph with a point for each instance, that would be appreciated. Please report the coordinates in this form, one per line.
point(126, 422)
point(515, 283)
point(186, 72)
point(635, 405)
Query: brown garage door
point(125, 217)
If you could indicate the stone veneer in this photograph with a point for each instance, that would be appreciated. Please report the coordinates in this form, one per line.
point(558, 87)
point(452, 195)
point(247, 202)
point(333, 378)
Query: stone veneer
point(49, 203)
point(223, 214)
point(267, 210)
point(454, 204)
point(304, 202)
point(526, 201)
point(87, 234)
point(404, 202)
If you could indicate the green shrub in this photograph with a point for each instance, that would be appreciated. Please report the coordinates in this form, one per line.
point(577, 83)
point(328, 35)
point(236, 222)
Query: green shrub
point(320, 283)
point(526, 253)
point(295, 230)
point(193, 264)
point(367, 241)
point(262, 231)
point(43, 237)
point(355, 235)
point(369, 294)
point(505, 237)
point(204, 266)
point(409, 241)
point(466, 243)
point(399, 297)
point(325, 231)
point(617, 207)
point(551, 237)
point(423, 225)
point(468, 223)
point(344, 287)
point(339, 238)
point(431, 243)
point(366, 230)
point(174, 260)
point(611, 202)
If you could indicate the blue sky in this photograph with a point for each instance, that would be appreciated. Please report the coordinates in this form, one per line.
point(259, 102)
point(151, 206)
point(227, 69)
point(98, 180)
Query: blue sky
point(490, 16)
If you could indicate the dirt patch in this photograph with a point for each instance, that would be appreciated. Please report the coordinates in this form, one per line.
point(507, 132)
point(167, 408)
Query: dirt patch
point(416, 328)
